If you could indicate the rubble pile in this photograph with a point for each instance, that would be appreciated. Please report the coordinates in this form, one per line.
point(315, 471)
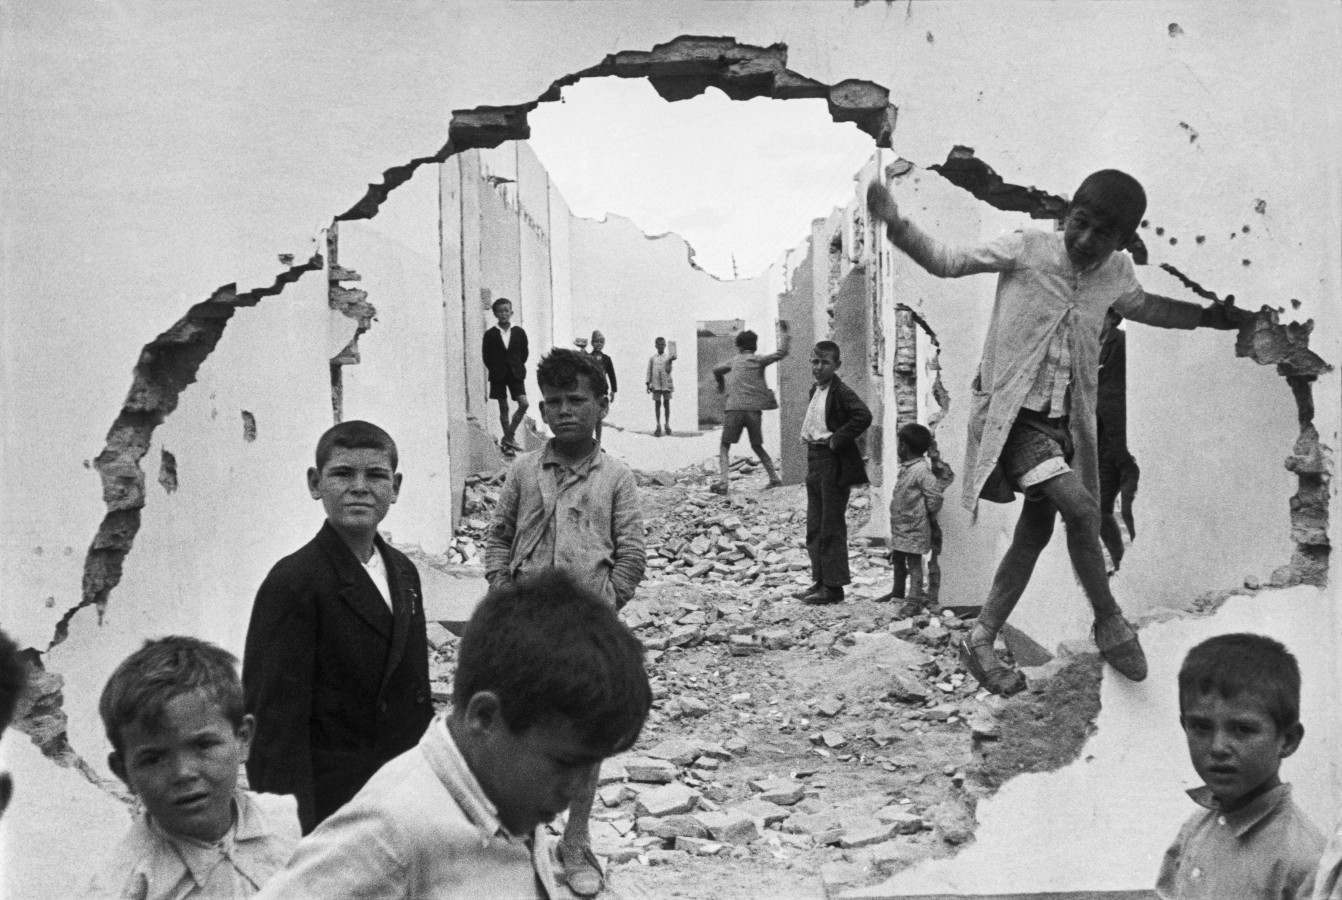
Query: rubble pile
point(839, 740)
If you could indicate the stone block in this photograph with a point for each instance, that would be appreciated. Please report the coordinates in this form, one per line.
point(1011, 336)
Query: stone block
point(730, 826)
point(901, 820)
point(612, 771)
point(762, 811)
point(671, 827)
point(865, 834)
point(651, 771)
point(668, 800)
point(675, 750)
point(699, 846)
point(784, 795)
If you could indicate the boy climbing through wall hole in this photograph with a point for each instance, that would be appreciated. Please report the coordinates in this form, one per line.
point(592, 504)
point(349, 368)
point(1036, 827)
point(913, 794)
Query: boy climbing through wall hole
point(1032, 418)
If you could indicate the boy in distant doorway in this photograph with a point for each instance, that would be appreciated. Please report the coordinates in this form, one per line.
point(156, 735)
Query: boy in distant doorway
point(504, 348)
point(747, 396)
point(660, 385)
point(914, 505)
point(174, 716)
point(336, 665)
point(598, 353)
point(835, 418)
point(548, 684)
point(1239, 705)
point(573, 507)
point(1032, 418)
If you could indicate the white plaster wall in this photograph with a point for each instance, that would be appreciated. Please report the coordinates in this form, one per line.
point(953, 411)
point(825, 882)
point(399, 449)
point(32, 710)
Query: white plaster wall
point(400, 382)
point(634, 288)
point(155, 153)
point(1105, 820)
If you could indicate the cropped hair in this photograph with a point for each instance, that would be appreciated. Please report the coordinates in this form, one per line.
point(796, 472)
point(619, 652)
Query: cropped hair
point(549, 647)
point(830, 348)
point(162, 670)
point(747, 340)
point(561, 368)
point(355, 434)
point(1235, 664)
point(13, 679)
point(497, 303)
point(1116, 195)
point(916, 437)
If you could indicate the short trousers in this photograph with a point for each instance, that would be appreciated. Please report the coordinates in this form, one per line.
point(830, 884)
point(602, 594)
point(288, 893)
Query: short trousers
point(499, 390)
point(734, 420)
point(1032, 456)
point(663, 395)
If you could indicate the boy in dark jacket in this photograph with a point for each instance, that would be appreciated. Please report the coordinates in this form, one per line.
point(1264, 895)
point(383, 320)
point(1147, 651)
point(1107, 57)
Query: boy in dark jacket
point(336, 665)
point(835, 418)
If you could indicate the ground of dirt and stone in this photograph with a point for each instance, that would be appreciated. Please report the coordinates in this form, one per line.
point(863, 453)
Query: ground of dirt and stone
point(792, 750)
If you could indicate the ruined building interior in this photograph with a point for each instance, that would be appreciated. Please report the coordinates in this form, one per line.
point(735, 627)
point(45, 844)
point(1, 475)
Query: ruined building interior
point(328, 207)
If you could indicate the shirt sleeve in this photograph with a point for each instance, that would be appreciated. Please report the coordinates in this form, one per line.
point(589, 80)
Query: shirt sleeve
point(1152, 309)
point(631, 557)
point(933, 493)
point(355, 857)
point(503, 528)
point(948, 261)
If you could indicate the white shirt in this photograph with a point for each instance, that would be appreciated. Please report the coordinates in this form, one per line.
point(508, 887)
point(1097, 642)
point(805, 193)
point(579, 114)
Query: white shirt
point(506, 334)
point(813, 426)
point(376, 567)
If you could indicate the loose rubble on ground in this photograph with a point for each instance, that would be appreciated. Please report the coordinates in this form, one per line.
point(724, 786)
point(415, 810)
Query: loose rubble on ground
point(792, 750)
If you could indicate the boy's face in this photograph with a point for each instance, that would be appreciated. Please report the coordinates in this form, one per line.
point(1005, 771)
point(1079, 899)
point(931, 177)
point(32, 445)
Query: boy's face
point(1090, 237)
point(186, 770)
point(903, 452)
point(823, 366)
point(660, 344)
point(356, 486)
point(504, 313)
point(1235, 745)
point(572, 412)
point(598, 342)
point(531, 776)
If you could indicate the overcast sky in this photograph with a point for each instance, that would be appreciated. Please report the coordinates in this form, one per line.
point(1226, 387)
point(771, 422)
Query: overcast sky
point(731, 177)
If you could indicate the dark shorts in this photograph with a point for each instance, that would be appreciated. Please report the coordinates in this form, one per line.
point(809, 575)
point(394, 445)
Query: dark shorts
point(1036, 449)
point(734, 420)
point(664, 395)
point(499, 390)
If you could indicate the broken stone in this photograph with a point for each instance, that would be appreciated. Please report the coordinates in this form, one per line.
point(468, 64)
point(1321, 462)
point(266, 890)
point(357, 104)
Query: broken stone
point(614, 794)
point(693, 707)
point(676, 750)
point(652, 771)
point(763, 812)
point(953, 821)
point(907, 689)
point(438, 635)
point(612, 770)
point(698, 846)
point(865, 835)
point(830, 707)
point(901, 820)
point(668, 800)
point(729, 826)
point(672, 826)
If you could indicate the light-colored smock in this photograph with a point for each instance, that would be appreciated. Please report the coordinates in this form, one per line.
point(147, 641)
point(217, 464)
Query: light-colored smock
point(1039, 293)
point(914, 503)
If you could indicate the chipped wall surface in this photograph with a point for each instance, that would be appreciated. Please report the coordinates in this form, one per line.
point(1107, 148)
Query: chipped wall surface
point(157, 183)
point(634, 288)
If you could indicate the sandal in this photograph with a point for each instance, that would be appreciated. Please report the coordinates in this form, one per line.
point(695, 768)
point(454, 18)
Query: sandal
point(910, 608)
point(1125, 655)
point(997, 679)
point(584, 877)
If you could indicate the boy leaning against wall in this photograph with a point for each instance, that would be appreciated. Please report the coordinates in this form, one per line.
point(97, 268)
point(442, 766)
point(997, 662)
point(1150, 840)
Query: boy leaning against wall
point(1032, 423)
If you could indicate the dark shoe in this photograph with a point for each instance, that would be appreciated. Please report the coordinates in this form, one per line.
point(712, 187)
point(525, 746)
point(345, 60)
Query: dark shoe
point(774, 483)
point(583, 875)
point(806, 592)
point(981, 661)
point(910, 608)
point(512, 444)
point(1125, 655)
point(824, 597)
point(718, 488)
point(658, 432)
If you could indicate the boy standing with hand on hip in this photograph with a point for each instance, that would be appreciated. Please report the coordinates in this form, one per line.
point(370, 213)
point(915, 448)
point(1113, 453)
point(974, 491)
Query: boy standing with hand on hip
point(1032, 422)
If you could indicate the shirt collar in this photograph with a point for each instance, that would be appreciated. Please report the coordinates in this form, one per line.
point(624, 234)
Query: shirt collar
point(198, 860)
point(1242, 820)
point(550, 458)
point(461, 783)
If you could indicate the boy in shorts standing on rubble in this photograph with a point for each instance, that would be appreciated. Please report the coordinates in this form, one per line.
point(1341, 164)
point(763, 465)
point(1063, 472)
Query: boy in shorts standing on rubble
point(1032, 419)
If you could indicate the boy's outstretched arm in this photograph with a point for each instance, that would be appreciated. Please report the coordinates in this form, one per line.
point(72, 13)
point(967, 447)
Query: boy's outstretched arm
point(1166, 312)
point(939, 259)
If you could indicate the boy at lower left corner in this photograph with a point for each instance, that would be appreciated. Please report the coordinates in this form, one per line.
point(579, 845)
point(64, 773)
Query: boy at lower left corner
point(173, 711)
point(1239, 705)
point(549, 682)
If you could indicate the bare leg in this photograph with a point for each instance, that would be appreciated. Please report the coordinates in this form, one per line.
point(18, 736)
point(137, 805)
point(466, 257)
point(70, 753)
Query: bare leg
point(1109, 530)
point(577, 839)
point(666, 411)
point(503, 417)
point(1081, 514)
point(1033, 530)
point(522, 406)
point(725, 465)
point(766, 461)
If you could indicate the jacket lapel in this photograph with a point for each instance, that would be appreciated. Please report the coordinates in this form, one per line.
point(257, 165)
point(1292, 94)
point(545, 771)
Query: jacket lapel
point(405, 605)
point(357, 590)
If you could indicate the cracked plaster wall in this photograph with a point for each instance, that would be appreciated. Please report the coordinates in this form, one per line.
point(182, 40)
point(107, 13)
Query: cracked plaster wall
point(241, 168)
